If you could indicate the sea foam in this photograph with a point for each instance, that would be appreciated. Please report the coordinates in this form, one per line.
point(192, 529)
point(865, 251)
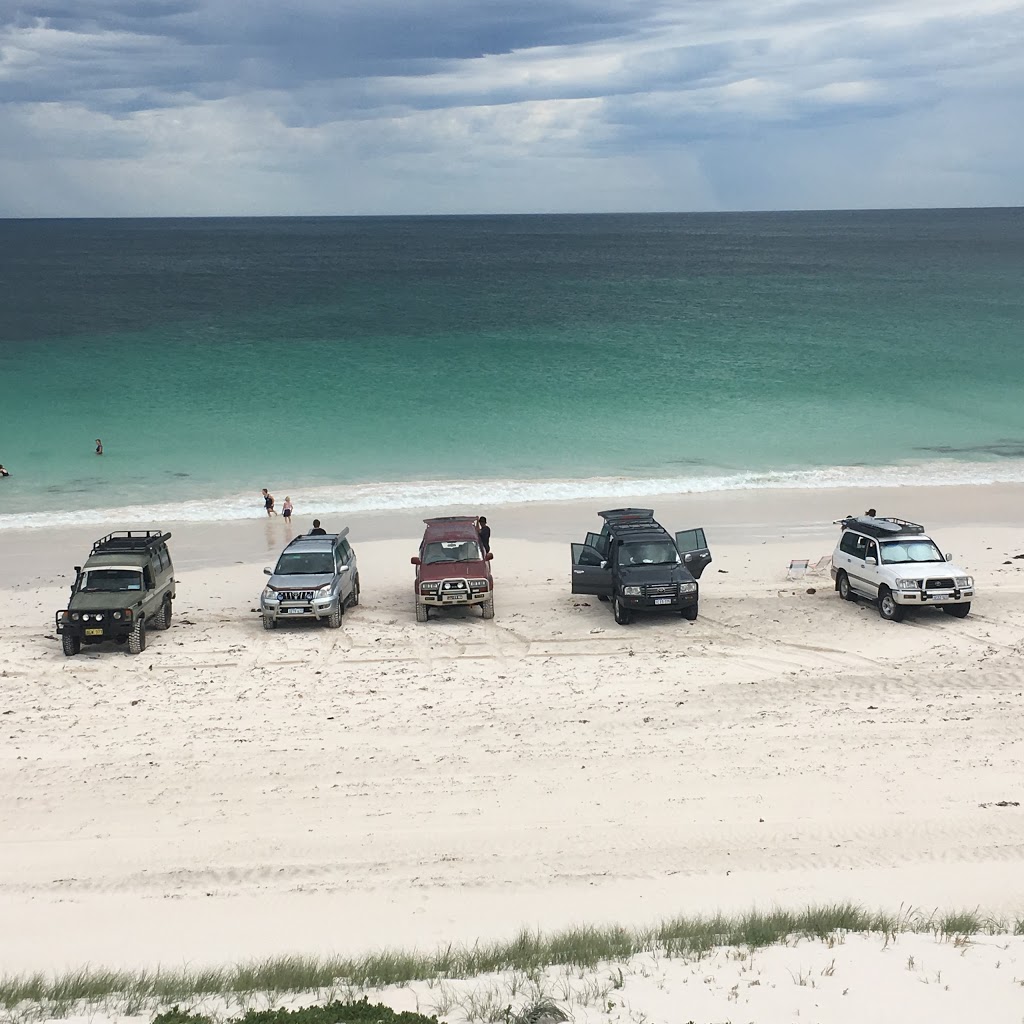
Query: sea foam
point(483, 494)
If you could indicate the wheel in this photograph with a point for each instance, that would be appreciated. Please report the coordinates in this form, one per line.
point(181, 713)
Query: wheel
point(602, 597)
point(269, 622)
point(487, 608)
point(623, 616)
point(844, 588)
point(887, 606)
point(422, 612)
point(137, 637)
point(334, 619)
point(958, 611)
point(355, 593)
point(689, 613)
point(71, 644)
point(162, 620)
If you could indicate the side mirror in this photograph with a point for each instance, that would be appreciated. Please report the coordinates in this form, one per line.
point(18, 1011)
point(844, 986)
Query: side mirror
point(416, 560)
point(344, 568)
point(78, 568)
point(871, 560)
point(604, 563)
point(949, 556)
point(489, 556)
point(267, 571)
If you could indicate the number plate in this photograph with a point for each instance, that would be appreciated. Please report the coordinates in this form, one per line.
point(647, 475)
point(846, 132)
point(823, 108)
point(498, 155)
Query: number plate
point(453, 597)
point(94, 632)
point(663, 600)
point(295, 611)
point(939, 597)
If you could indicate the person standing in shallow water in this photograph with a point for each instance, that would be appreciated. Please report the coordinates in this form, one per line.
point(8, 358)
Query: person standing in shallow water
point(99, 446)
point(268, 503)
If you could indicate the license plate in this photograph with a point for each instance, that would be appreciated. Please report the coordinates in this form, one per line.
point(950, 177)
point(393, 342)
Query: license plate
point(939, 597)
point(94, 632)
point(295, 611)
point(453, 597)
point(663, 600)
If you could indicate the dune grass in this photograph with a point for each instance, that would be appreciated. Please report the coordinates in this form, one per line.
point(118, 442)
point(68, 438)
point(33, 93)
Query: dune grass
point(583, 947)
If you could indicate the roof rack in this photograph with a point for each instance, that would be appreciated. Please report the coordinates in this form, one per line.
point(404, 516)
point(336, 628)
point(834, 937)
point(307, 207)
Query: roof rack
point(303, 537)
point(617, 515)
point(130, 540)
point(881, 526)
point(449, 519)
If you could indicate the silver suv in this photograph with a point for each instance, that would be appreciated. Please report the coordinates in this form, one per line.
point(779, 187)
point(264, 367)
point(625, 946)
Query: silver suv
point(316, 577)
point(896, 564)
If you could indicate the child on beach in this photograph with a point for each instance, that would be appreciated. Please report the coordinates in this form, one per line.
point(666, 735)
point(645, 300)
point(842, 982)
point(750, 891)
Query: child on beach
point(268, 503)
point(286, 508)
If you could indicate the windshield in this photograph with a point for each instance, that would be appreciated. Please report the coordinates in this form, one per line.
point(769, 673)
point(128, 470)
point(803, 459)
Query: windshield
point(900, 552)
point(451, 551)
point(305, 563)
point(95, 581)
point(658, 552)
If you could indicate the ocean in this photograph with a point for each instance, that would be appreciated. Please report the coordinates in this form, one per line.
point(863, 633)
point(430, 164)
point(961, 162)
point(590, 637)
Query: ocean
point(389, 363)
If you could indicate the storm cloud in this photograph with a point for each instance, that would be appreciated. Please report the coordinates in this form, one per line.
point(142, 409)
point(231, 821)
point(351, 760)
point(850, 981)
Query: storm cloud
point(179, 107)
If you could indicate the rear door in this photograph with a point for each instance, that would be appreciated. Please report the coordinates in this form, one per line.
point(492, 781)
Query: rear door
point(588, 577)
point(693, 549)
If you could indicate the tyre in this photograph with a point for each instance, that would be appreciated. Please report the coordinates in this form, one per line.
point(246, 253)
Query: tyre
point(602, 597)
point(623, 616)
point(887, 606)
point(689, 613)
point(958, 611)
point(334, 619)
point(71, 644)
point(162, 620)
point(844, 588)
point(422, 612)
point(487, 608)
point(355, 593)
point(137, 637)
point(269, 622)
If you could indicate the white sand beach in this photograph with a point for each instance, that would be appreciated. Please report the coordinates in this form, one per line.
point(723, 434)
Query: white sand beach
point(233, 793)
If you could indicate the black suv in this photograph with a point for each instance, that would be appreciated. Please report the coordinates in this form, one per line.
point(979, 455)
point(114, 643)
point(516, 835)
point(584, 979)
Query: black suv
point(125, 586)
point(637, 564)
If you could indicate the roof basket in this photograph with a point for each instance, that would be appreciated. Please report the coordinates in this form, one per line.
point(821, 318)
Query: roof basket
point(130, 540)
point(617, 515)
point(881, 526)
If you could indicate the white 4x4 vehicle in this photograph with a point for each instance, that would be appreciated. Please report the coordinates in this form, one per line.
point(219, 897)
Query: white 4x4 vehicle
point(896, 564)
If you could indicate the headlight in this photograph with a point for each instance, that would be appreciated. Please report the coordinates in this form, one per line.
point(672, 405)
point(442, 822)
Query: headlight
point(322, 593)
point(908, 585)
point(85, 618)
point(478, 584)
point(268, 594)
point(428, 586)
point(75, 616)
point(117, 615)
point(965, 581)
point(631, 591)
point(688, 588)
point(98, 618)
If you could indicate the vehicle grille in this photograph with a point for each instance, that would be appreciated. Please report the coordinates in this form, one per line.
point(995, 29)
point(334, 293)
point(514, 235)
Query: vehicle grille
point(450, 585)
point(295, 595)
point(664, 590)
point(942, 584)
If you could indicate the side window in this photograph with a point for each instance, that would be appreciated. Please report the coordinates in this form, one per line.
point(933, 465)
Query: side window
point(345, 551)
point(147, 576)
point(849, 543)
point(583, 554)
point(871, 550)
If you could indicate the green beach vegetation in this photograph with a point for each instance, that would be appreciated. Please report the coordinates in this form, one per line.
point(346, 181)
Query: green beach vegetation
point(25, 997)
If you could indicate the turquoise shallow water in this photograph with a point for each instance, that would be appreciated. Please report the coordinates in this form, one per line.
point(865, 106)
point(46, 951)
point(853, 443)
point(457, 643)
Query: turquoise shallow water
point(363, 363)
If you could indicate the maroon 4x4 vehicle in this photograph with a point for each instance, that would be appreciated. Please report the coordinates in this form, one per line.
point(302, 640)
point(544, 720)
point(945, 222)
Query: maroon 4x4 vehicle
point(451, 568)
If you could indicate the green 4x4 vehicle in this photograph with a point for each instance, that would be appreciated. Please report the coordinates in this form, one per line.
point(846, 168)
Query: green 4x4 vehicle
point(125, 587)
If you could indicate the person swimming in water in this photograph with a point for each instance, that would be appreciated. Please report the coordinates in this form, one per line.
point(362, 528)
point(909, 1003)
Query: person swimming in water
point(99, 446)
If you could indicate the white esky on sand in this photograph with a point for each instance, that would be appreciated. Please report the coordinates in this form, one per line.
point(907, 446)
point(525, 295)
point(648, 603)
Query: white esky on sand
point(234, 793)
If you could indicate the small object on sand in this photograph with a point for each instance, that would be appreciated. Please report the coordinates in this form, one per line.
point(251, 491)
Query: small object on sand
point(812, 590)
point(1018, 556)
point(723, 570)
point(1001, 803)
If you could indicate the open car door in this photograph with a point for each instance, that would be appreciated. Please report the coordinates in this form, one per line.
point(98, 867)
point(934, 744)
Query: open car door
point(693, 549)
point(588, 576)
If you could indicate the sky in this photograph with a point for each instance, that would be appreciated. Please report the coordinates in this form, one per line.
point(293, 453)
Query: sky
point(340, 107)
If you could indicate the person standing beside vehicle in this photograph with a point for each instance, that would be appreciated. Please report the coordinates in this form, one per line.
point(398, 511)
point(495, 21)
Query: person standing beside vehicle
point(485, 534)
